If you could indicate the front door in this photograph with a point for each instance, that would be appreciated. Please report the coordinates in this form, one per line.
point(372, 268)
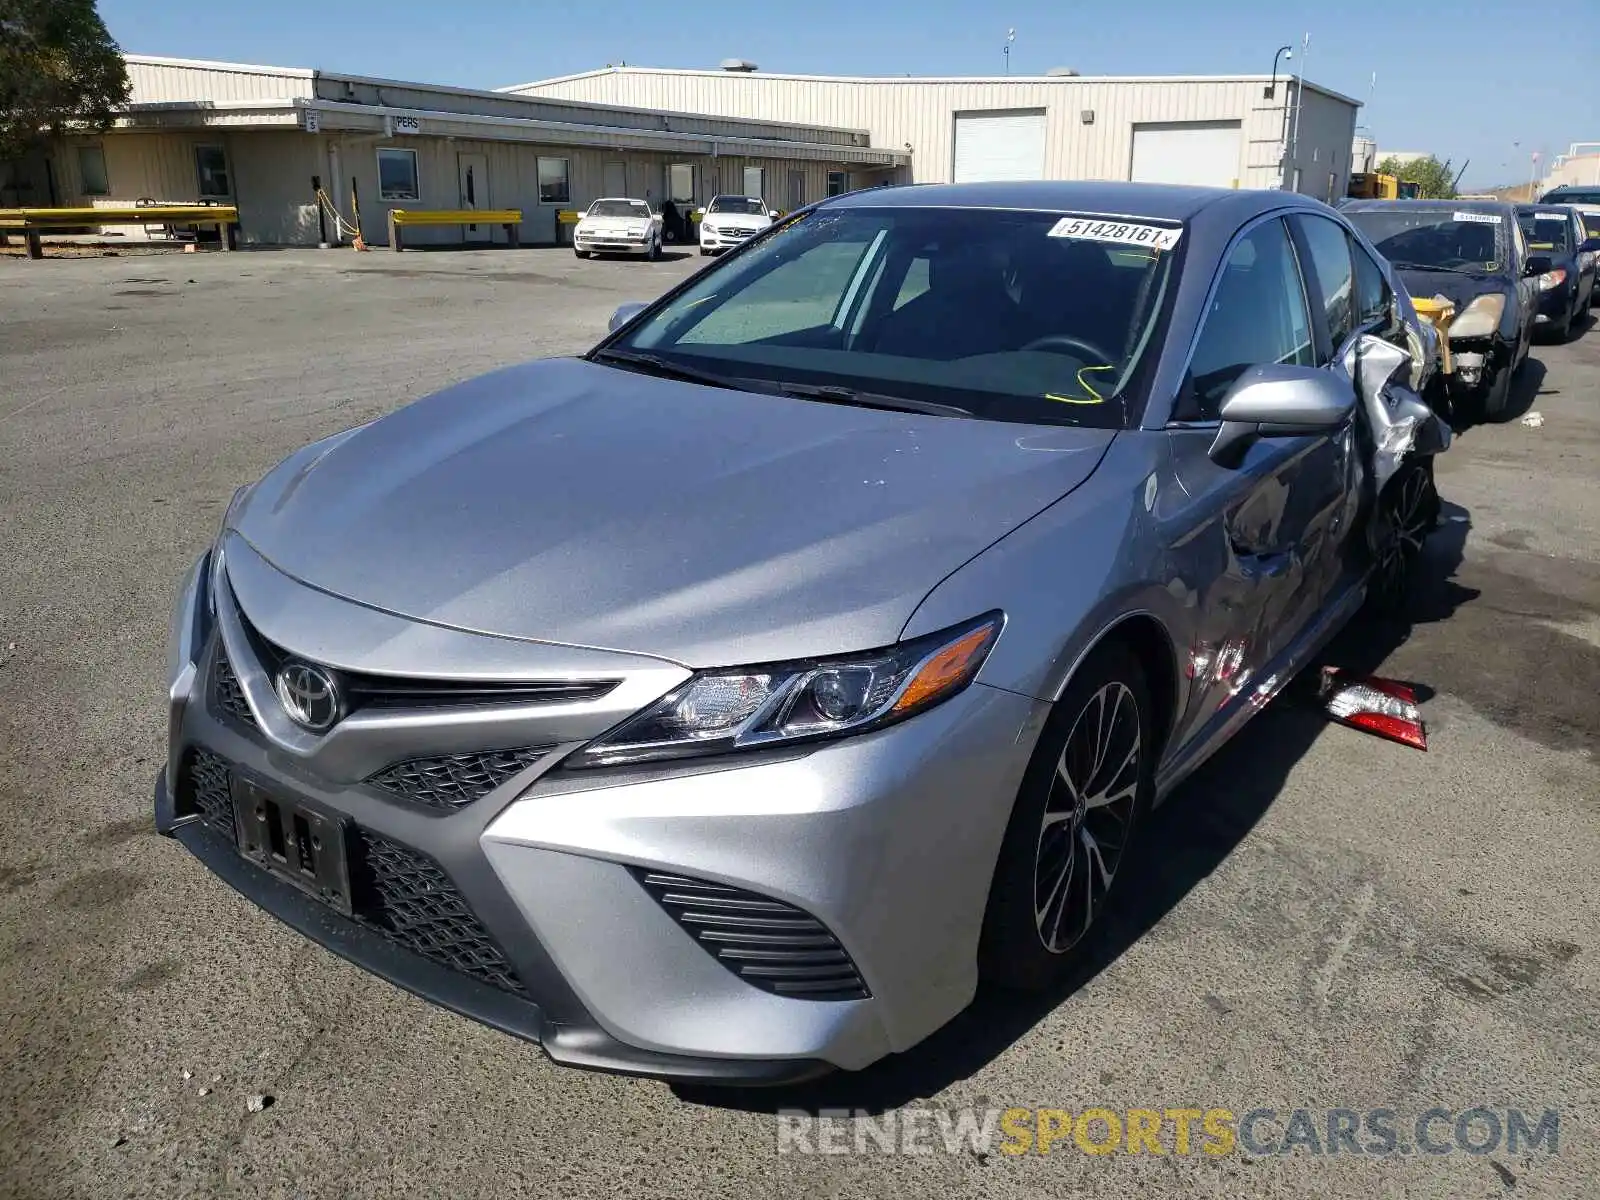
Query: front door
point(1251, 536)
point(616, 178)
point(473, 170)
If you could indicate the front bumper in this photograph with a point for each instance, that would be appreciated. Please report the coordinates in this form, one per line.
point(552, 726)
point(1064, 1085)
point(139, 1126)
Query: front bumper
point(597, 245)
point(888, 840)
point(710, 240)
point(1555, 304)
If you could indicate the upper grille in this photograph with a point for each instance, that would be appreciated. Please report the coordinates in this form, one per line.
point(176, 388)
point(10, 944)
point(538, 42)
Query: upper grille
point(227, 692)
point(408, 897)
point(454, 780)
point(399, 892)
point(767, 943)
point(395, 691)
point(204, 788)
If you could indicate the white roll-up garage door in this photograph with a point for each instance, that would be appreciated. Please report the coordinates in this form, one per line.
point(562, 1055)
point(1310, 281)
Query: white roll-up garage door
point(1198, 152)
point(999, 145)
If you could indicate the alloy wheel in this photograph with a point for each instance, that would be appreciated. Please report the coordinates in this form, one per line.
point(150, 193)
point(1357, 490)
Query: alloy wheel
point(1403, 529)
point(1087, 817)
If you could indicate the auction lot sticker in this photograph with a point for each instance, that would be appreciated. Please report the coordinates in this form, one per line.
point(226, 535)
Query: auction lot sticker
point(1480, 218)
point(1132, 233)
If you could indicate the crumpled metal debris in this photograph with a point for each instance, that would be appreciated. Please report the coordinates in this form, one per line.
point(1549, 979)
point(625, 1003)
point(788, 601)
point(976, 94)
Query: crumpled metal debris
point(1400, 419)
point(1533, 420)
point(1381, 706)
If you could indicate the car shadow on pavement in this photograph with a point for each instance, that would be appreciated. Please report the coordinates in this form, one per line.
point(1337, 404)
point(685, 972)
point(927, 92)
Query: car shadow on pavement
point(1183, 842)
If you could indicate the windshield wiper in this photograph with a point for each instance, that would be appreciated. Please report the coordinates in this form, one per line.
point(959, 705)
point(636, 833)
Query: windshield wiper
point(654, 364)
point(834, 394)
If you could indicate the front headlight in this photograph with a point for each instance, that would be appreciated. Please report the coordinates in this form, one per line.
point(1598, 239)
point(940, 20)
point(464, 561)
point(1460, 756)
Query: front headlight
point(1552, 279)
point(781, 703)
point(1480, 318)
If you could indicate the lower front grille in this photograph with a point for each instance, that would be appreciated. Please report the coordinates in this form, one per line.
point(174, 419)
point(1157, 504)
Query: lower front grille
point(408, 897)
point(451, 781)
point(205, 790)
point(767, 943)
point(396, 891)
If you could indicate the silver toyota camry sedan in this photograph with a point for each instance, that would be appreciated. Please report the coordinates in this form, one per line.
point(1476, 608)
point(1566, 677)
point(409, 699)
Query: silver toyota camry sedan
point(725, 703)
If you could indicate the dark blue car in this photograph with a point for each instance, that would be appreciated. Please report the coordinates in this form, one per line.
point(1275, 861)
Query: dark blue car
point(1562, 255)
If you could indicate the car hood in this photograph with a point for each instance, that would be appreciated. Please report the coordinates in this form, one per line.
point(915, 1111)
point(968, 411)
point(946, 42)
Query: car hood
point(1459, 288)
point(737, 220)
point(632, 224)
point(570, 502)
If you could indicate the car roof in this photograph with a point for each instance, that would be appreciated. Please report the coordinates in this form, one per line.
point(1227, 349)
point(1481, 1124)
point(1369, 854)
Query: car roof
point(1156, 201)
point(1501, 207)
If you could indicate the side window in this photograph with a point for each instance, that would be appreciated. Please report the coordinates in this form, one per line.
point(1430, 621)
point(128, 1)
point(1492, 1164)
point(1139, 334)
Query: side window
point(1330, 256)
point(1372, 289)
point(1258, 315)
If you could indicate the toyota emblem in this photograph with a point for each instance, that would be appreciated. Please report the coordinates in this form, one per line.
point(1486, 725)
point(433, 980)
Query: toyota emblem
point(310, 696)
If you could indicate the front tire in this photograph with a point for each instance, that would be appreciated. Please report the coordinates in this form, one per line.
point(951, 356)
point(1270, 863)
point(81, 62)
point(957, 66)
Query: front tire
point(1085, 792)
point(1407, 512)
point(580, 253)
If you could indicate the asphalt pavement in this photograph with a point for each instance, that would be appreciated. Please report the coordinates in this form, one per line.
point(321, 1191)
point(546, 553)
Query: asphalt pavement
point(1322, 920)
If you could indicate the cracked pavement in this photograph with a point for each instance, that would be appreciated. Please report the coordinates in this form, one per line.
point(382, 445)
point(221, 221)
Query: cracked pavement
point(1322, 919)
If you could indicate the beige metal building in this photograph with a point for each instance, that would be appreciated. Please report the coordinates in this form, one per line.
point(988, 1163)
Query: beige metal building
point(1235, 131)
point(256, 136)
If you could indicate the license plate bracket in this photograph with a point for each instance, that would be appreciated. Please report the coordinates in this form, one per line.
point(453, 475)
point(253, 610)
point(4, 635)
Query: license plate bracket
point(293, 841)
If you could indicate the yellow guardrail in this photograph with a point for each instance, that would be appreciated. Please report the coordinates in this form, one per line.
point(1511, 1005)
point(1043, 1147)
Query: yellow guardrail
point(456, 216)
point(509, 218)
point(32, 221)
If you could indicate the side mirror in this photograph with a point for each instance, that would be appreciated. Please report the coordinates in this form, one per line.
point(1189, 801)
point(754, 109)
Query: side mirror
point(1278, 401)
point(1538, 264)
point(1590, 246)
point(773, 213)
point(699, 212)
point(624, 314)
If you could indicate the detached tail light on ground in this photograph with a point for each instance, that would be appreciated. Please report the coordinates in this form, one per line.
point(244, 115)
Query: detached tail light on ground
point(1381, 706)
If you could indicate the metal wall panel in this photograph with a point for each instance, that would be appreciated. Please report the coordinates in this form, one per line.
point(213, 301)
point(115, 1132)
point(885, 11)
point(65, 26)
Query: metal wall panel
point(156, 81)
point(1090, 121)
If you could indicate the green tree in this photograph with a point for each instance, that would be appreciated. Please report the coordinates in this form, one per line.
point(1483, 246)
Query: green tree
point(1432, 177)
point(59, 71)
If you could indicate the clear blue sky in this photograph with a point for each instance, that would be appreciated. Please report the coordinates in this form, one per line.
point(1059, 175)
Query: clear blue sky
point(1508, 84)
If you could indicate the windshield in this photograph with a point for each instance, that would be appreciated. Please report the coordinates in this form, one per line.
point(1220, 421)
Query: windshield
point(1014, 316)
point(1546, 231)
point(1435, 239)
point(619, 208)
point(1571, 196)
point(1591, 223)
point(743, 205)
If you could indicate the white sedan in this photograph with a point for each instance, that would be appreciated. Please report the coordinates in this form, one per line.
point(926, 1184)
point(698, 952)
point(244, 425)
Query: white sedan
point(618, 225)
point(730, 221)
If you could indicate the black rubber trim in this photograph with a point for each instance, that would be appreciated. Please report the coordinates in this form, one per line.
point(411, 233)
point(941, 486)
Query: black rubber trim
point(572, 1044)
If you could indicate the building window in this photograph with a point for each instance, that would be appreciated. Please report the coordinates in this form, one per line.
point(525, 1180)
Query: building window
point(397, 175)
point(553, 187)
point(838, 183)
point(680, 183)
point(211, 166)
point(754, 184)
point(92, 171)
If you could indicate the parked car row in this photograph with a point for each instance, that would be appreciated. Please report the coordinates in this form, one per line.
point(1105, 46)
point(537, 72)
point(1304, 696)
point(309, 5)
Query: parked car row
point(726, 702)
point(1511, 273)
point(624, 225)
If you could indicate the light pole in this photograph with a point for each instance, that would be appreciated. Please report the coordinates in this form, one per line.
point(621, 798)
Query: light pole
point(1283, 52)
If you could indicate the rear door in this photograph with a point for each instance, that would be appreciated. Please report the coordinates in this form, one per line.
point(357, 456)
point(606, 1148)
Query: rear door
point(1251, 542)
